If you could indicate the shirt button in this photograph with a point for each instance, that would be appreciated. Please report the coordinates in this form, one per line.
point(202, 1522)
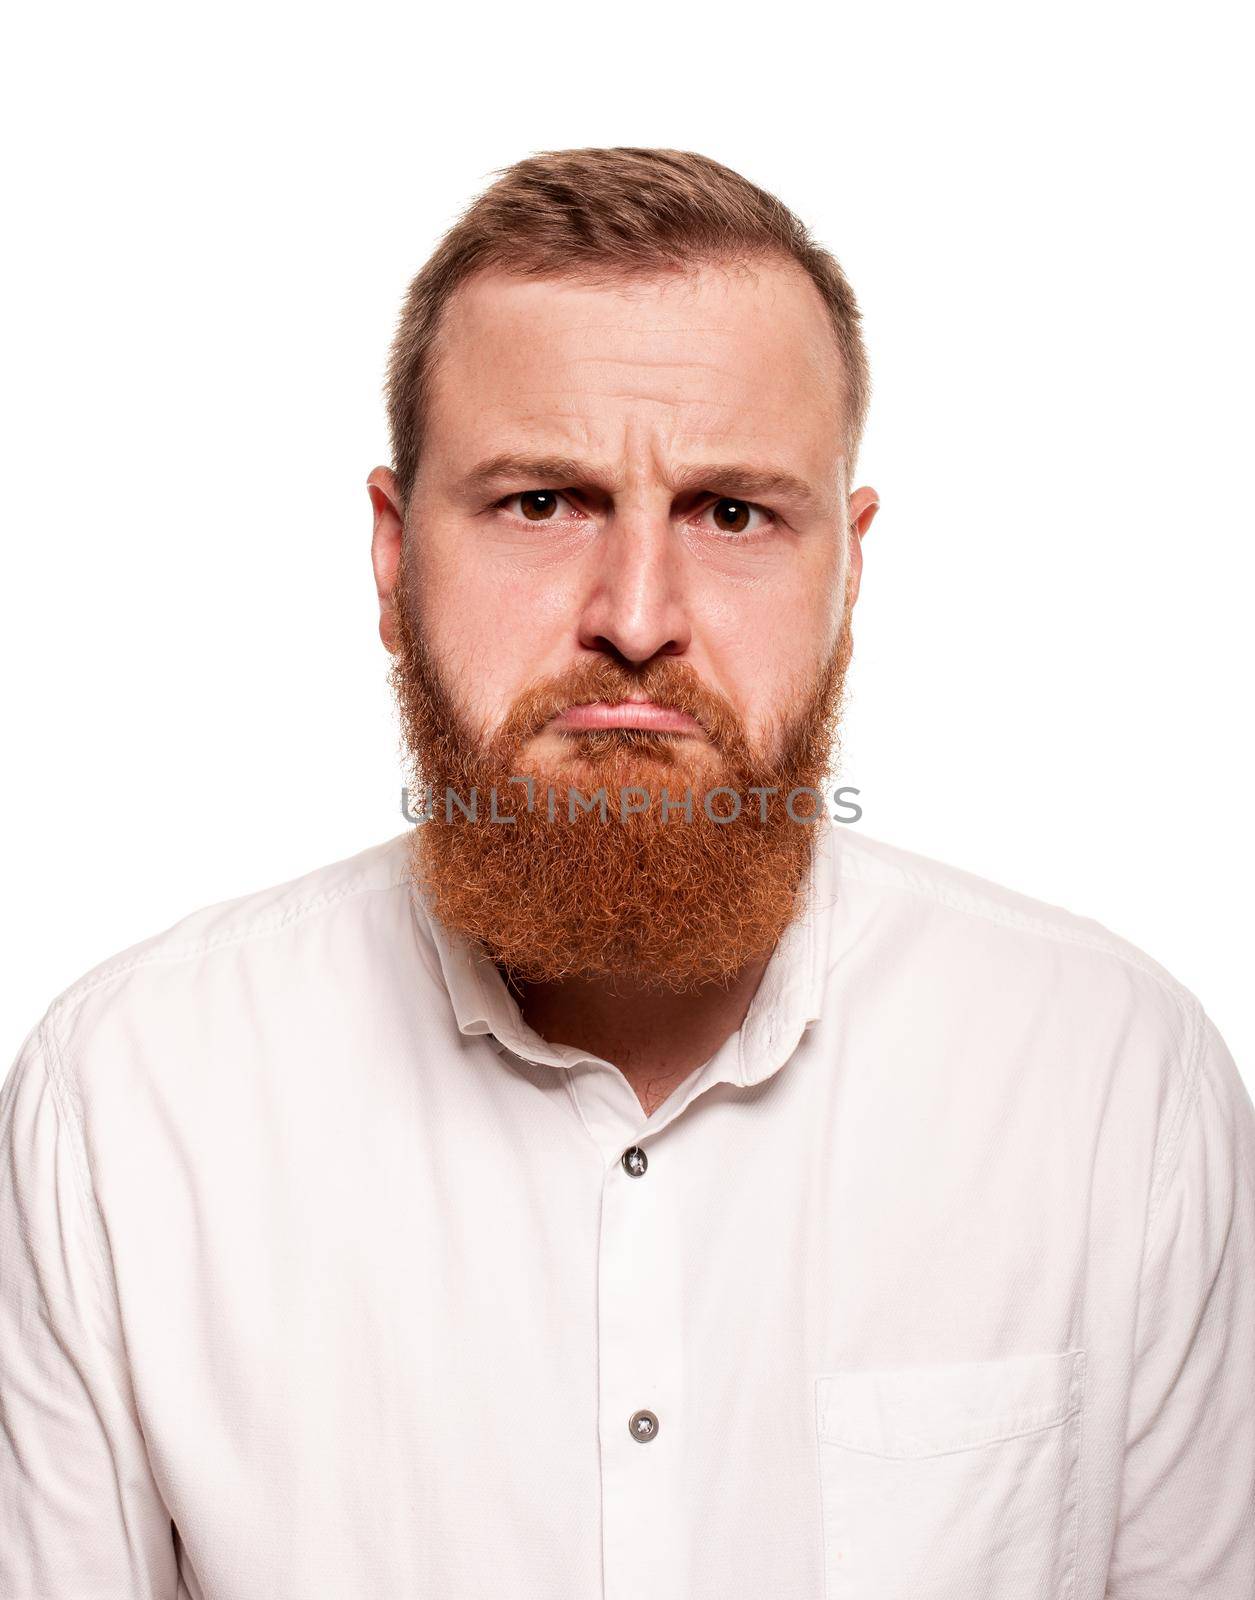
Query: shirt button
point(634, 1163)
point(643, 1426)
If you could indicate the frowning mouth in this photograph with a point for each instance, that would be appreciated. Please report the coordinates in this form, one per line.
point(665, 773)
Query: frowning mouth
point(625, 714)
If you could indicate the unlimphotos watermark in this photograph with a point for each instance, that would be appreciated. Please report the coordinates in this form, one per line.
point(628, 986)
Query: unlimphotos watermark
point(719, 805)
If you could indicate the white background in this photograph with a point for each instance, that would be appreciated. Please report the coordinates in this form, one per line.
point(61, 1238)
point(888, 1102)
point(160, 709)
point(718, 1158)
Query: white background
point(212, 216)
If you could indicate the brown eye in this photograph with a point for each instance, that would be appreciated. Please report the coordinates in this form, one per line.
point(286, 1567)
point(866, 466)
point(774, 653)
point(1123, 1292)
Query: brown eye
point(538, 505)
point(732, 516)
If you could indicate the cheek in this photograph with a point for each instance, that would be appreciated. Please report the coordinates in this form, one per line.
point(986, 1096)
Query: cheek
point(492, 626)
point(768, 642)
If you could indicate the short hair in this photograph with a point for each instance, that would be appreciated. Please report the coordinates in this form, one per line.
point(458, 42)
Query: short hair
point(602, 215)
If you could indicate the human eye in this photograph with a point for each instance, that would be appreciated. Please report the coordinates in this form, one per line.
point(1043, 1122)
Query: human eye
point(735, 519)
point(535, 505)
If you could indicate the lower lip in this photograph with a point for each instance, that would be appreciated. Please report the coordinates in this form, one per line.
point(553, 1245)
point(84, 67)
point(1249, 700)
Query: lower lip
point(626, 715)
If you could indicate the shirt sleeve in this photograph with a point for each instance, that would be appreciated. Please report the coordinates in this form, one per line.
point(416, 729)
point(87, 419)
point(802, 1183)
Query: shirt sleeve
point(80, 1515)
point(1186, 1525)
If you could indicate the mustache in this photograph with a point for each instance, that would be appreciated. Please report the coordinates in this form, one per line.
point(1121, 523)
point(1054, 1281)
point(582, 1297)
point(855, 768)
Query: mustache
point(665, 681)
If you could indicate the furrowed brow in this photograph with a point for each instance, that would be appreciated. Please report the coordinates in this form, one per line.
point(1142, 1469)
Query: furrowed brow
point(561, 472)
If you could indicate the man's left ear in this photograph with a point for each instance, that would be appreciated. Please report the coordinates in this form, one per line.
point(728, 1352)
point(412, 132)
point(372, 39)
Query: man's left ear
point(864, 504)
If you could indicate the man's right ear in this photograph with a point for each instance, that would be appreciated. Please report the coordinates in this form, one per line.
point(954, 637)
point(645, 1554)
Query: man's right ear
point(385, 546)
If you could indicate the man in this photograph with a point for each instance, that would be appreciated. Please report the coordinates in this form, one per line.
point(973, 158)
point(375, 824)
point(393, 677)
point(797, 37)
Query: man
point(626, 1182)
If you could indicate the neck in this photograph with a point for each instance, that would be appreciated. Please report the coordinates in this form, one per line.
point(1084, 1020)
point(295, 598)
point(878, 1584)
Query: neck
point(656, 1038)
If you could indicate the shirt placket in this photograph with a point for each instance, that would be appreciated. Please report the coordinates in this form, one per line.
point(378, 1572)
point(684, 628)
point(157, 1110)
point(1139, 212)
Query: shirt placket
point(642, 1402)
point(641, 1411)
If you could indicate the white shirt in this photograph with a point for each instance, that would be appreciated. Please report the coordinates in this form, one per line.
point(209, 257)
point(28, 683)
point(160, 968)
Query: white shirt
point(324, 1279)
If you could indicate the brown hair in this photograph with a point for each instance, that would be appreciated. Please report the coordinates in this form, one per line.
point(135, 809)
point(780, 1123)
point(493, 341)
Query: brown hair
point(598, 215)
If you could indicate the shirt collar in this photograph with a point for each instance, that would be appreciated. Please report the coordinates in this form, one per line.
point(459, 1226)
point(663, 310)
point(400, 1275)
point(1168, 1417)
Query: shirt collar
point(788, 1000)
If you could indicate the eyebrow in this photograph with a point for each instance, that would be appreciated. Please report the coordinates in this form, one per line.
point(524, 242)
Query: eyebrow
point(558, 472)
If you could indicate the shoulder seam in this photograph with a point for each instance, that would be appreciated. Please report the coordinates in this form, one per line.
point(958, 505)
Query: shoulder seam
point(54, 1060)
point(1187, 1098)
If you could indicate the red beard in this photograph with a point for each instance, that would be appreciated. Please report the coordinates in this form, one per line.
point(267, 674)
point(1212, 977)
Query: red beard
point(667, 897)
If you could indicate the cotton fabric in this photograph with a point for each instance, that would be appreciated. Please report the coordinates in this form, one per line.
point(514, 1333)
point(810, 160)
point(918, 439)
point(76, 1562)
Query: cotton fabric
point(322, 1274)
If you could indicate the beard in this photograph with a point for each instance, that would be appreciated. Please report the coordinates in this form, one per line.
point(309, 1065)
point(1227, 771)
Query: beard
point(641, 888)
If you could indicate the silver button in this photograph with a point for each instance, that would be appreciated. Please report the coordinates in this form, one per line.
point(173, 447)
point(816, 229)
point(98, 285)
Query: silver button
point(643, 1426)
point(635, 1161)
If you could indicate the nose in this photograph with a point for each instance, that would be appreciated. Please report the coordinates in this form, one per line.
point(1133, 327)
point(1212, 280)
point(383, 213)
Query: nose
point(634, 607)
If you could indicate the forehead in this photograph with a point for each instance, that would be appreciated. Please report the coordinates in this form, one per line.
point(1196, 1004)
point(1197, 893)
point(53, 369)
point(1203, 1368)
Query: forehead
point(741, 357)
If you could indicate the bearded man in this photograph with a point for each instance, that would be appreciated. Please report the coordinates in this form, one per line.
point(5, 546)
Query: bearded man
point(626, 1182)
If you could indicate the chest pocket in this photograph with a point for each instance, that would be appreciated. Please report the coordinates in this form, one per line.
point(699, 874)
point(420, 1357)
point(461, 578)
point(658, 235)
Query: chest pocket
point(954, 1482)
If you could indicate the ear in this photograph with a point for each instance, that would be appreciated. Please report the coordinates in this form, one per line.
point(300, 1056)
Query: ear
point(864, 504)
point(385, 546)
